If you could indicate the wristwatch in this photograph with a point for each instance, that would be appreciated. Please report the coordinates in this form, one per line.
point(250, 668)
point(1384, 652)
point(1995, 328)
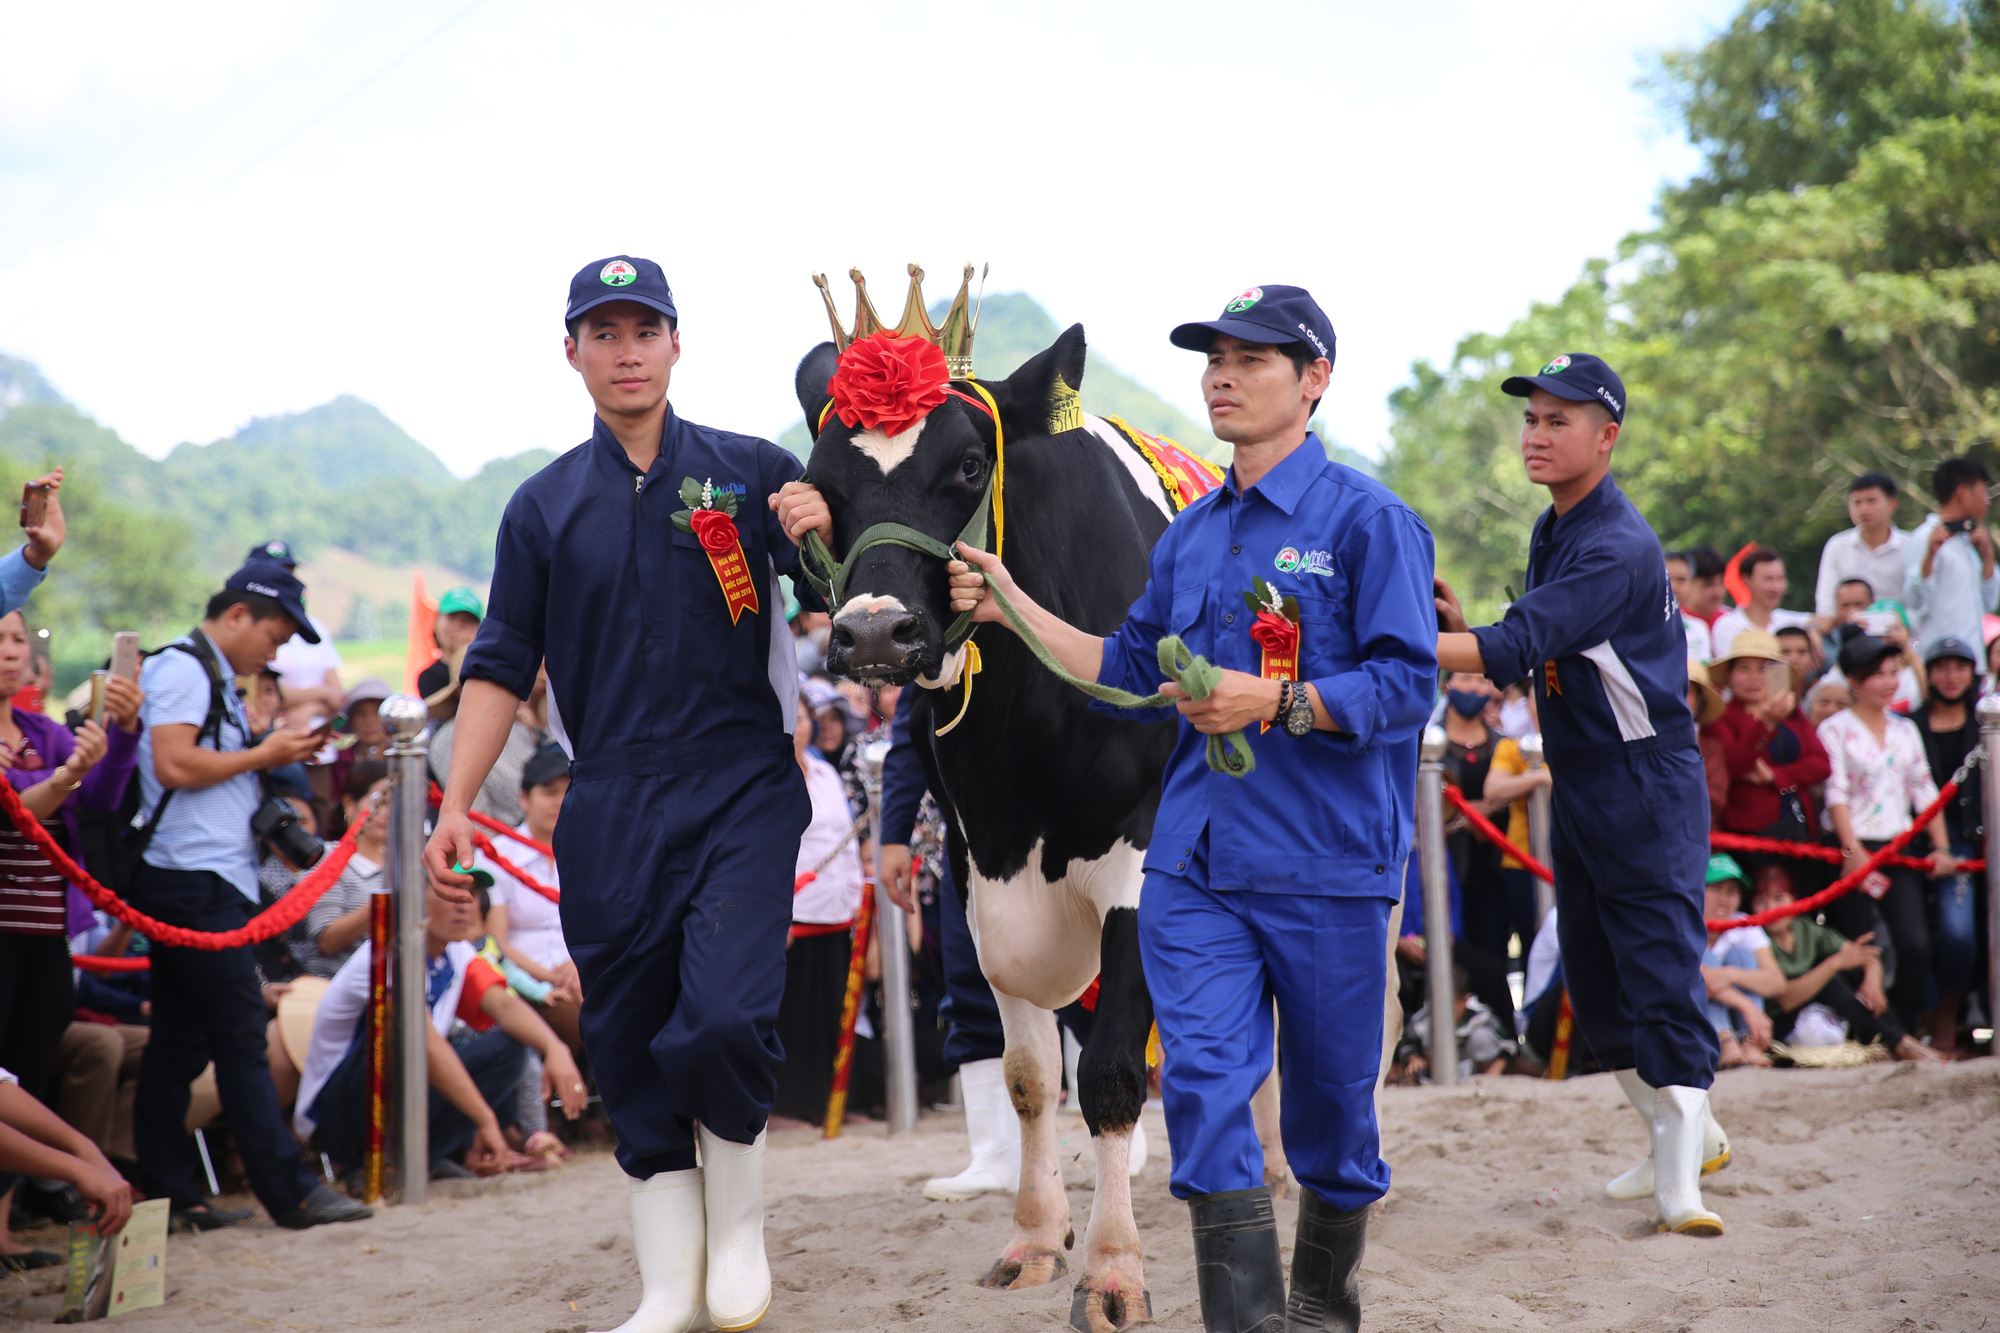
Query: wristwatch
point(1295, 709)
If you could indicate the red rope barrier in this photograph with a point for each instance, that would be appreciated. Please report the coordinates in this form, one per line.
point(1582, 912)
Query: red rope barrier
point(274, 920)
point(485, 844)
point(1888, 855)
point(1484, 826)
point(95, 962)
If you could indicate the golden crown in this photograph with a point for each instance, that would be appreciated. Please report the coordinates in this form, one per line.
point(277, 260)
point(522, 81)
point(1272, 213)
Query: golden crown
point(953, 337)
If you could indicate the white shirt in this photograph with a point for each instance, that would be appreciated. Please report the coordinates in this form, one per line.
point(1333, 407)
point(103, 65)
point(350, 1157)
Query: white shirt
point(1954, 600)
point(534, 924)
point(337, 1022)
point(1701, 644)
point(834, 896)
point(1733, 622)
point(1883, 786)
point(1752, 938)
point(302, 665)
point(1845, 556)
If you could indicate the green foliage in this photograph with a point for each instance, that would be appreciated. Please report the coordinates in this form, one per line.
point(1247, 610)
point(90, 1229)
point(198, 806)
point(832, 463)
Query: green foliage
point(1824, 300)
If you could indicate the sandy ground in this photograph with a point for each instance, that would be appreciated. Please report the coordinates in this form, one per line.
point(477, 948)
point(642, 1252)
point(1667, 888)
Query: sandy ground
point(1859, 1200)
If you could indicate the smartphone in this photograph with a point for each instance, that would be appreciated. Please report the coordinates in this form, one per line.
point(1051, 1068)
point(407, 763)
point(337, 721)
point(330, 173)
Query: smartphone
point(97, 680)
point(125, 655)
point(34, 504)
point(1777, 678)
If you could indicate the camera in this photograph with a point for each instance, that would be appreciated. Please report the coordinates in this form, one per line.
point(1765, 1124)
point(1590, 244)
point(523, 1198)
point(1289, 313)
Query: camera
point(277, 823)
point(1961, 526)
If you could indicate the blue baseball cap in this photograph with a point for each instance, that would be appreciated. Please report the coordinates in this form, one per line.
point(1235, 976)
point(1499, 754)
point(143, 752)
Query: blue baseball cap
point(271, 578)
point(278, 551)
point(1275, 315)
point(1577, 376)
point(620, 278)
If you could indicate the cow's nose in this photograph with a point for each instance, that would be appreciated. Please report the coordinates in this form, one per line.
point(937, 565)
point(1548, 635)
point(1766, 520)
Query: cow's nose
point(879, 640)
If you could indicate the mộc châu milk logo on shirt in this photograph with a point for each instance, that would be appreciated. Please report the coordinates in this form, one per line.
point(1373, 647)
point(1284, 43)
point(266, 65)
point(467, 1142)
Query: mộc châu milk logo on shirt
point(1291, 560)
point(1244, 302)
point(617, 273)
point(1557, 366)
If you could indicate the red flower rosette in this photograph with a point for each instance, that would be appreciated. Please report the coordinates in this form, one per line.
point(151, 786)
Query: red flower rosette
point(714, 529)
point(1274, 633)
point(888, 383)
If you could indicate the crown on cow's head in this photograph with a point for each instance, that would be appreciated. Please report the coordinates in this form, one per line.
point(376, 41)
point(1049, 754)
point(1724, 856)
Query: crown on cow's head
point(953, 337)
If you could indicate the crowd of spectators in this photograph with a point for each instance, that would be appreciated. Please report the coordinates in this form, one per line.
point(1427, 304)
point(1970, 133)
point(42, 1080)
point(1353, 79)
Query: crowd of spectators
point(1835, 727)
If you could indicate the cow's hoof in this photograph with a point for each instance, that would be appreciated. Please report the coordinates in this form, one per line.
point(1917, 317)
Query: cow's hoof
point(1108, 1311)
point(1033, 1266)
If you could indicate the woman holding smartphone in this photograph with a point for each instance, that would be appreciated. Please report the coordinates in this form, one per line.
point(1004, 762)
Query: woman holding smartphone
point(53, 771)
point(1770, 752)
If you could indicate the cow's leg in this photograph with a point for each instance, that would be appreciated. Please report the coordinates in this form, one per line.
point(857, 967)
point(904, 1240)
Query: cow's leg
point(1111, 1078)
point(1042, 1231)
point(1267, 1108)
point(1038, 948)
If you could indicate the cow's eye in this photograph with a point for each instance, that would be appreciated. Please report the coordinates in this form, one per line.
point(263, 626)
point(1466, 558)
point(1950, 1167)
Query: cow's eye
point(972, 469)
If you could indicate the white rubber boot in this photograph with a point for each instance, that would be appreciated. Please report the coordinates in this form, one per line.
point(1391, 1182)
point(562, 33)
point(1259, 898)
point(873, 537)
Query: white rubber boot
point(739, 1276)
point(1677, 1124)
point(1638, 1182)
point(995, 1132)
point(670, 1240)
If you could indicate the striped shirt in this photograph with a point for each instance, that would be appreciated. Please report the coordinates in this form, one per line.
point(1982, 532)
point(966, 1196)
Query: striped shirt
point(34, 899)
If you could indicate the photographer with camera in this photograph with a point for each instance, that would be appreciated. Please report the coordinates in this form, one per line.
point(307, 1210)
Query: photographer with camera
point(1949, 579)
point(202, 810)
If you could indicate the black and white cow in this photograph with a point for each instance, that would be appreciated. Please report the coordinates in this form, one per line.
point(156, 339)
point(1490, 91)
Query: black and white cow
point(1052, 803)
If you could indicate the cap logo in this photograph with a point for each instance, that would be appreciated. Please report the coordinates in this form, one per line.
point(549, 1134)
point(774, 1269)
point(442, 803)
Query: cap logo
point(1605, 394)
point(1555, 367)
point(276, 550)
point(1244, 302)
point(262, 588)
point(1313, 338)
point(617, 273)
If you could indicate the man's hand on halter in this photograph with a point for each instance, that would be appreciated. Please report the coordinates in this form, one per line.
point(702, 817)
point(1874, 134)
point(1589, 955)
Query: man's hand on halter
point(1239, 701)
point(801, 509)
point(973, 575)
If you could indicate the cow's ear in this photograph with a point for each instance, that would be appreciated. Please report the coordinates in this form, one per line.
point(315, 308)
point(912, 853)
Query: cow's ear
point(810, 384)
point(1041, 397)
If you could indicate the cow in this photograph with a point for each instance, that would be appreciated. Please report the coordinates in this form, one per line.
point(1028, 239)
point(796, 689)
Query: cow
point(1050, 803)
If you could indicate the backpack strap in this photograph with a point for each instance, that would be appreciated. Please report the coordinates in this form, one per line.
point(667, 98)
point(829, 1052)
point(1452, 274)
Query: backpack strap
point(211, 729)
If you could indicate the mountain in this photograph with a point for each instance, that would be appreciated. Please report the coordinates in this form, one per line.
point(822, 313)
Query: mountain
point(341, 445)
point(21, 383)
point(1013, 326)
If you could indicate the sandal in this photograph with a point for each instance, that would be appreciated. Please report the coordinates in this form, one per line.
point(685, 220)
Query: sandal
point(21, 1263)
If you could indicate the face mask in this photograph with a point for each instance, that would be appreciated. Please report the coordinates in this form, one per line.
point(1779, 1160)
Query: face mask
point(1466, 703)
point(1514, 719)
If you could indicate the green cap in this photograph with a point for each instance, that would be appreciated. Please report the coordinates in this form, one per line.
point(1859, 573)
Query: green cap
point(1723, 866)
point(461, 599)
point(481, 877)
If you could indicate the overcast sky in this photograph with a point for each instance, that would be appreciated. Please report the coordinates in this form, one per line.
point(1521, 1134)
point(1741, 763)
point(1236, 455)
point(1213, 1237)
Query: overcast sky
point(214, 211)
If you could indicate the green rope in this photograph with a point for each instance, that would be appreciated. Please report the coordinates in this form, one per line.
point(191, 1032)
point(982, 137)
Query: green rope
point(1228, 754)
point(1197, 675)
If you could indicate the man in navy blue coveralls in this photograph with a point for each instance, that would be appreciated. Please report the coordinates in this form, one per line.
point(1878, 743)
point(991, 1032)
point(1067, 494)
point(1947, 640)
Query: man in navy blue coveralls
point(680, 832)
point(1599, 631)
point(1279, 884)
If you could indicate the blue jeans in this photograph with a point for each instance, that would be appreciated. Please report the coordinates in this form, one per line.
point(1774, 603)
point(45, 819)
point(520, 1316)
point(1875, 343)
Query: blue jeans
point(1955, 947)
point(339, 1112)
point(1719, 1013)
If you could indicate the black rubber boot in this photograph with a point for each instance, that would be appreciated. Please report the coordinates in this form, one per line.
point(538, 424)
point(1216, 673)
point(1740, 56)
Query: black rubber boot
point(1326, 1267)
point(1236, 1265)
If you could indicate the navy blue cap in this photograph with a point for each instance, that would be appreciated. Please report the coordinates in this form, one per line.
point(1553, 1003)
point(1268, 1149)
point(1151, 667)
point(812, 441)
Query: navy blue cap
point(278, 551)
point(1577, 376)
point(619, 278)
point(1274, 315)
point(272, 579)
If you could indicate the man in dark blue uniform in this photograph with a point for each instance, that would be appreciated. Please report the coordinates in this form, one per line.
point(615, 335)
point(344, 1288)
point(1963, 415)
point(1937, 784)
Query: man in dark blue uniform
point(1600, 632)
point(1310, 585)
point(643, 565)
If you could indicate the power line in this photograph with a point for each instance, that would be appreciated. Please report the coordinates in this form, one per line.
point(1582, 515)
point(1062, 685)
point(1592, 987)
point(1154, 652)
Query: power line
point(337, 103)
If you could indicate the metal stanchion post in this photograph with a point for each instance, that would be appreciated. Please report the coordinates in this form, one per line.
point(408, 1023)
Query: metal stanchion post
point(406, 721)
point(1989, 736)
point(1437, 906)
point(1539, 801)
point(899, 1040)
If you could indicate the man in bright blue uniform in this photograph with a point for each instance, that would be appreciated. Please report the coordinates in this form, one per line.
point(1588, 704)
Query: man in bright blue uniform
point(1599, 631)
point(1280, 883)
point(643, 566)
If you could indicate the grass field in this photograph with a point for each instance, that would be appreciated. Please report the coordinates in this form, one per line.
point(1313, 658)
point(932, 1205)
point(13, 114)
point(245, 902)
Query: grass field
point(371, 657)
